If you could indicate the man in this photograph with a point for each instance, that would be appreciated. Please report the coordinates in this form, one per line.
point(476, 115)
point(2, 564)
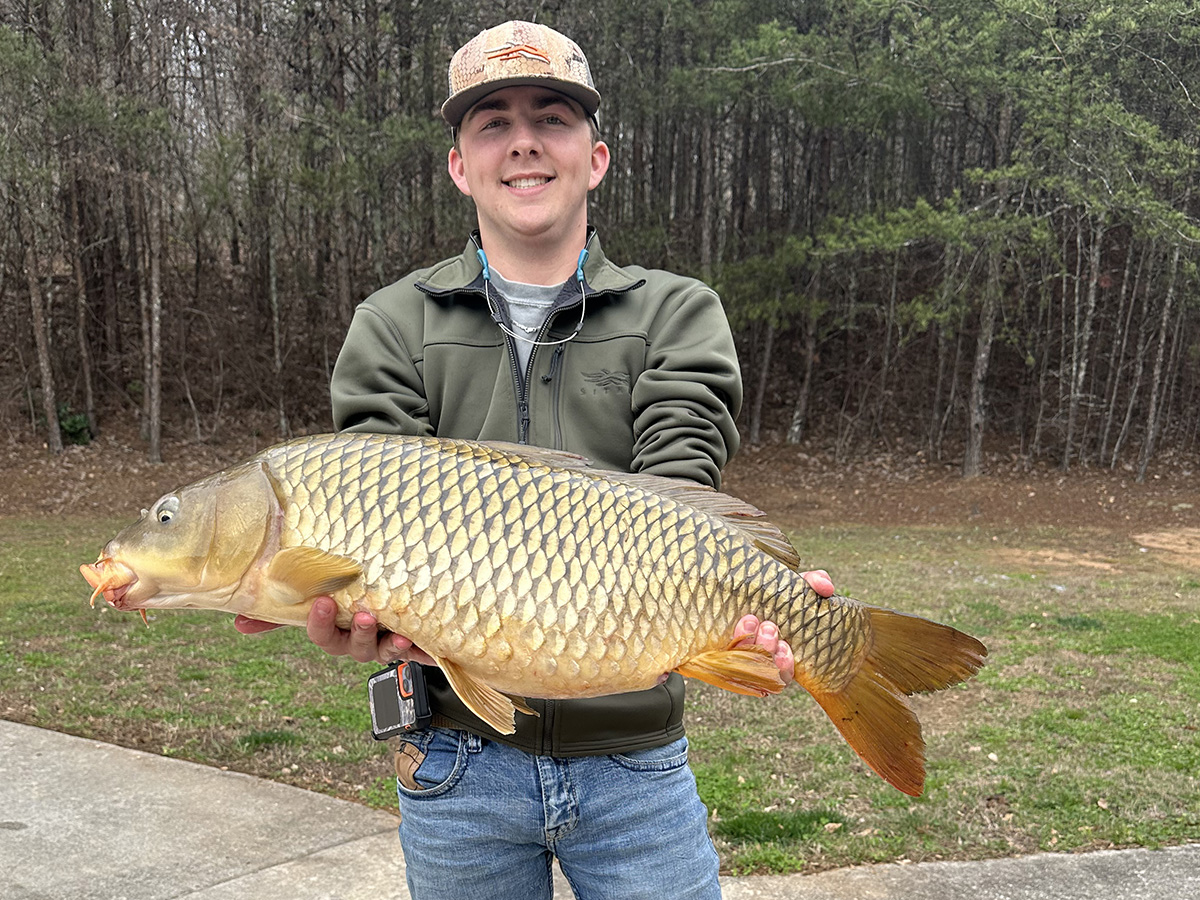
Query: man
point(532, 335)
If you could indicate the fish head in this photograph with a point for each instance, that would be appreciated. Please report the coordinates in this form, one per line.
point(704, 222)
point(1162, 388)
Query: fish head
point(193, 547)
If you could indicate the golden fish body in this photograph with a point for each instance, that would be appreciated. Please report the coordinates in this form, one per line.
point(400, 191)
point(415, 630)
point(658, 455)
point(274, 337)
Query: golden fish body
point(526, 573)
point(541, 581)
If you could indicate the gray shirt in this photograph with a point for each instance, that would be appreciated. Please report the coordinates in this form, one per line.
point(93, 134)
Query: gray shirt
point(527, 306)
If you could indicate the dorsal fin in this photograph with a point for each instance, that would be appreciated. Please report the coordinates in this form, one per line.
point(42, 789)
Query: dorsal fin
point(745, 516)
point(558, 459)
point(739, 513)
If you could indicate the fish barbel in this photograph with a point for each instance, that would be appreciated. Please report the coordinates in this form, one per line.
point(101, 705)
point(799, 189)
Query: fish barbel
point(527, 573)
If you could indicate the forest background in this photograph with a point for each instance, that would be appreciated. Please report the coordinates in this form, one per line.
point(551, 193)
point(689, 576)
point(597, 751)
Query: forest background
point(932, 224)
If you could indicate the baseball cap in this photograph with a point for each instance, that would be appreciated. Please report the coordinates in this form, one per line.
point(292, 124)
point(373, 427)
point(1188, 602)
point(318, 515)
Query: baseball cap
point(517, 53)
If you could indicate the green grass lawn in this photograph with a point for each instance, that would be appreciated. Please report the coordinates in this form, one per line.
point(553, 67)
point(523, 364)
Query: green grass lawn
point(1080, 733)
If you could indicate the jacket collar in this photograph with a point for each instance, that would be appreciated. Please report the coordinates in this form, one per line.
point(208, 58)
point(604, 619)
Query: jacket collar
point(464, 272)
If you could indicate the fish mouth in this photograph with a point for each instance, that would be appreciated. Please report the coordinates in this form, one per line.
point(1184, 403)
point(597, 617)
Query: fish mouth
point(111, 580)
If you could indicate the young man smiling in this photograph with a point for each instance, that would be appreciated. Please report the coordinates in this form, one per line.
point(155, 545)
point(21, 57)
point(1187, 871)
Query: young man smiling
point(532, 335)
point(527, 156)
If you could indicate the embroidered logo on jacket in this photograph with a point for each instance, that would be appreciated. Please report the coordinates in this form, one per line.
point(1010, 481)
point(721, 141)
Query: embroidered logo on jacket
point(607, 381)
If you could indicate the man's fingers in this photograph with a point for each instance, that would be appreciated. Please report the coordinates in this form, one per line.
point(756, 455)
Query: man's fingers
point(395, 646)
point(747, 627)
point(819, 581)
point(361, 642)
point(322, 627)
point(785, 661)
point(364, 637)
point(750, 631)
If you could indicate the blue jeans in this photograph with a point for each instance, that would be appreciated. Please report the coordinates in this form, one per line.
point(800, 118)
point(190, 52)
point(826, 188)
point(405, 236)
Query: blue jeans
point(487, 819)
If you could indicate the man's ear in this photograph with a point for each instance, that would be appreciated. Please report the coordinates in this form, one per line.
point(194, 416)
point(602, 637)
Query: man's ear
point(600, 161)
point(458, 171)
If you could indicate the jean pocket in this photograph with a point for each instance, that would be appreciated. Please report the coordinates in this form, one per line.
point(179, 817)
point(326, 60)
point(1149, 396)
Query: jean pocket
point(440, 769)
point(655, 759)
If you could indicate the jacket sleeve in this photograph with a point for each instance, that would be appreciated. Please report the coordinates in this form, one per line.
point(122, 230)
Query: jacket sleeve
point(377, 384)
point(686, 399)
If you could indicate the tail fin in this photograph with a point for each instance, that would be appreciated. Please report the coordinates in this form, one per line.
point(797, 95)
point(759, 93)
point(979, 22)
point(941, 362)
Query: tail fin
point(907, 655)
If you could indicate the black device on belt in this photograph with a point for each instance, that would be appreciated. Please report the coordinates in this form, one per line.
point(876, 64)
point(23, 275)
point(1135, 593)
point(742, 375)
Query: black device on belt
point(398, 699)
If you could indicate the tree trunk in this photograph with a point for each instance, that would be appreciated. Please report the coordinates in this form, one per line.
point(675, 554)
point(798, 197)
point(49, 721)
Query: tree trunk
point(1143, 347)
point(154, 248)
point(760, 389)
point(142, 253)
point(795, 432)
point(952, 392)
point(81, 311)
point(40, 336)
point(276, 334)
point(706, 211)
point(1081, 340)
point(1116, 357)
point(1152, 419)
point(977, 410)
point(885, 367)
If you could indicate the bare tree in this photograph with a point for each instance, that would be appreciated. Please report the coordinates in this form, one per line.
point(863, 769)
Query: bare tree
point(1156, 380)
point(27, 231)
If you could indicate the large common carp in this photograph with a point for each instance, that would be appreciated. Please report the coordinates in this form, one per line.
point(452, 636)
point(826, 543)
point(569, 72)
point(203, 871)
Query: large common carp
point(527, 573)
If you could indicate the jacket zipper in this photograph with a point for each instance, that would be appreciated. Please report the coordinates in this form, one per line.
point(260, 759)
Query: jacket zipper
point(522, 385)
point(555, 394)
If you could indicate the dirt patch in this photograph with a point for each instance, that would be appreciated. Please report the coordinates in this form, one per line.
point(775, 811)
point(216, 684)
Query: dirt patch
point(796, 486)
point(1052, 561)
point(1181, 546)
point(109, 475)
point(804, 488)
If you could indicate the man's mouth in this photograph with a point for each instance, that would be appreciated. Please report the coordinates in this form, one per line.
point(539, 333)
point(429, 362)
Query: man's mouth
point(528, 182)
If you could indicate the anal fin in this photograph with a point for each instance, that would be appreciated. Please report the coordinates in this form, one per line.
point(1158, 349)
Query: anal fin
point(743, 670)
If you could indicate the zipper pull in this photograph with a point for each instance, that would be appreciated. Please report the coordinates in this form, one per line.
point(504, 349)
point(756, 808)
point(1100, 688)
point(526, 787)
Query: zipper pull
point(523, 433)
point(554, 360)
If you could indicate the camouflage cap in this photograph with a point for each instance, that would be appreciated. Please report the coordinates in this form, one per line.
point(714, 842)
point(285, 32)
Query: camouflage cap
point(517, 53)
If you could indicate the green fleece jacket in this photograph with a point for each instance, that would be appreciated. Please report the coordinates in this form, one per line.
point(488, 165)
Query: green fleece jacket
point(649, 384)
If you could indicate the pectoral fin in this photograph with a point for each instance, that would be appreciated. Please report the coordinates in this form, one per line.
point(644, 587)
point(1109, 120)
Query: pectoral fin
point(301, 573)
point(497, 709)
point(743, 670)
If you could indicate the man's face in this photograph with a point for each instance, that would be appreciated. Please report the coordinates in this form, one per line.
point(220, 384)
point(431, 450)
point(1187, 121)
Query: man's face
point(525, 155)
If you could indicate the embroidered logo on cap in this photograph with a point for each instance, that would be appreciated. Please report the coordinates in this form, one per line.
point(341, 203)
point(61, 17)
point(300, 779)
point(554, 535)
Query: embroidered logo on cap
point(510, 50)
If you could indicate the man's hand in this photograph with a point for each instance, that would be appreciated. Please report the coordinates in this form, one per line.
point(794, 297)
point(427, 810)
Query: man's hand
point(363, 642)
point(751, 631)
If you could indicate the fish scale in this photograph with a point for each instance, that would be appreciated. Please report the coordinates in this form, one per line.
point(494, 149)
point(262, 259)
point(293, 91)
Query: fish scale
point(527, 573)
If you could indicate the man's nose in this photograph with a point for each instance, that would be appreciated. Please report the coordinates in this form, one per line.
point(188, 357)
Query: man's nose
point(525, 140)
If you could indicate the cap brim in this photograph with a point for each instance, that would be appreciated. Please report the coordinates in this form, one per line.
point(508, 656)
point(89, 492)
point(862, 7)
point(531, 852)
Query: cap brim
point(456, 107)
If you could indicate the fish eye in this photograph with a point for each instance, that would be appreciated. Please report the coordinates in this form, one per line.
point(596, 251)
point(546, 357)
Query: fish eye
point(166, 509)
